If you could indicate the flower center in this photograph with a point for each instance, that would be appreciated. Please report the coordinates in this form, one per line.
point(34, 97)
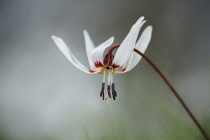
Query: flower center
point(108, 60)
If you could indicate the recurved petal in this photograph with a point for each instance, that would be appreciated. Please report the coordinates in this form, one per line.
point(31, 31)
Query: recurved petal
point(97, 53)
point(66, 51)
point(141, 45)
point(89, 45)
point(128, 44)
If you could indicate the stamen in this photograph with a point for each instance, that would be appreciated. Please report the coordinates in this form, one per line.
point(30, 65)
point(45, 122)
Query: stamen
point(103, 85)
point(114, 93)
point(103, 97)
point(108, 90)
point(102, 91)
point(104, 76)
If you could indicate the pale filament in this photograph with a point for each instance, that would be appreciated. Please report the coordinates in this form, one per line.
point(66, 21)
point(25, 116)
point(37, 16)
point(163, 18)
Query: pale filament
point(108, 85)
point(104, 75)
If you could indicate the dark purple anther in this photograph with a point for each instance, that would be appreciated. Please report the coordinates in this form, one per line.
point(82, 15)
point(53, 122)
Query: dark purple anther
point(108, 90)
point(102, 90)
point(113, 97)
point(103, 97)
point(114, 93)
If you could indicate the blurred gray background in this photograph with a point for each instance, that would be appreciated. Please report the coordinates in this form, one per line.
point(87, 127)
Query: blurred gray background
point(44, 97)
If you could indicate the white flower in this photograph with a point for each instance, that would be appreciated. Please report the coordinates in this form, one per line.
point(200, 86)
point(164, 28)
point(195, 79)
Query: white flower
point(123, 61)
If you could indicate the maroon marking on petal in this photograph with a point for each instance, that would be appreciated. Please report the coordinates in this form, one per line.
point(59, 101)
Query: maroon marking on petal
point(98, 64)
point(91, 71)
point(115, 66)
point(122, 70)
point(108, 59)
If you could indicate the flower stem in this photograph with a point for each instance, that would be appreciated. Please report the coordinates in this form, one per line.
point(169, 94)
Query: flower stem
point(175, 93)
point(172, 89)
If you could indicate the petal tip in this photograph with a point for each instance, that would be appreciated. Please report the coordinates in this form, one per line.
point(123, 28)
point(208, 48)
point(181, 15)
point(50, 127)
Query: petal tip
point(53, 37)
point(148, 29)
point(85, 31)
point(140, 19)
point(112, 38)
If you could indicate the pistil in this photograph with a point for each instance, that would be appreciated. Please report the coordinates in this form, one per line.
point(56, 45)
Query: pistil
point(109, 82)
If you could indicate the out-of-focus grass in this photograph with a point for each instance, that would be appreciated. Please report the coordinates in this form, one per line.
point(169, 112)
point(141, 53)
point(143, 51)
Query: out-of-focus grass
point(176, 130)
point(161, 120)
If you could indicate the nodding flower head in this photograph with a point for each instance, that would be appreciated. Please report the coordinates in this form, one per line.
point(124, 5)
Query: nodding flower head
point(123, 61)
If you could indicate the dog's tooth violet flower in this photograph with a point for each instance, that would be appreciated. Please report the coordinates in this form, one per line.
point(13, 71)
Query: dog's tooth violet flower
point(123, 61)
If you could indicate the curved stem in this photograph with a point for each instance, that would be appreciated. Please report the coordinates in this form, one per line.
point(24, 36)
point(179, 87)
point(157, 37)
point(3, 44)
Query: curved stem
point(172, 89)
point(175, 93)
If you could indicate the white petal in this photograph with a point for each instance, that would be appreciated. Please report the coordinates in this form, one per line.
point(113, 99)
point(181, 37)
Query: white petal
point(128, 44)
point(89, 45)
point(97, 53)
point(141, 45)
point(66, 51)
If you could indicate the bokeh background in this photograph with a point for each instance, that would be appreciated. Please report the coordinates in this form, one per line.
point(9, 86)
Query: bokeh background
point(44, 97)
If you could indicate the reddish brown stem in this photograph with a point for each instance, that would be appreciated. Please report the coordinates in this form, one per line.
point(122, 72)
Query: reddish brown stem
point(172, 89)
